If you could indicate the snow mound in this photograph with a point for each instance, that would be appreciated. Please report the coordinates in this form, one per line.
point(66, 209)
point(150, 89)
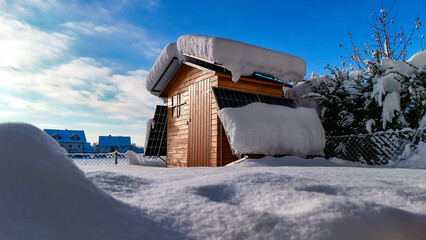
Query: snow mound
point(260, 128)
point(292, 161)
point(243, 59)
point(45, 196)
point(411, 159)
point(139, 159)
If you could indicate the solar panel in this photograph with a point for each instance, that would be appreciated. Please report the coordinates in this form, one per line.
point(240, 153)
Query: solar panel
point(156, 144)
point(233, 98)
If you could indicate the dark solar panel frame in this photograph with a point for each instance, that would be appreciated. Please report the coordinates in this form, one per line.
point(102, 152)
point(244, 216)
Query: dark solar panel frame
point(233, 98)
point(157, 138)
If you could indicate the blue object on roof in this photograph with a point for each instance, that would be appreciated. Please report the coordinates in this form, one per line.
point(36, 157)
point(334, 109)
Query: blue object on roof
point(67, 136)
point(114, 141)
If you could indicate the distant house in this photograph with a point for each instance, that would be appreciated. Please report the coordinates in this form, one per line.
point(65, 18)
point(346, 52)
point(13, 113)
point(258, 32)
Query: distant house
point(72, 140)
point(112, 143)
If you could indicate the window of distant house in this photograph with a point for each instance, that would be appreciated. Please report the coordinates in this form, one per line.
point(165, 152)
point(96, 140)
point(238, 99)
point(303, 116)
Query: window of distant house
point(177, 105)
point(57, 137)
point(75, 137)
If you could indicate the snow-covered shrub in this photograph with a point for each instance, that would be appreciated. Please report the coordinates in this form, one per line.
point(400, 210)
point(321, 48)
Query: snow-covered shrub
point(382, 91)
point(390, 94)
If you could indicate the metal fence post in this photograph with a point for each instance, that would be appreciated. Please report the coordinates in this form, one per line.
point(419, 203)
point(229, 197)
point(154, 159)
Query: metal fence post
point(116, 156)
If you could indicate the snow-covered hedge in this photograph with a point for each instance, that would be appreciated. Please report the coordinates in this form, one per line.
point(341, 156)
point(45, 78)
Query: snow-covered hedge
point(389, 94)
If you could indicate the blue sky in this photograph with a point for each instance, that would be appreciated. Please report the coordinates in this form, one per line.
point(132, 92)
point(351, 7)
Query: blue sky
point(82, 64)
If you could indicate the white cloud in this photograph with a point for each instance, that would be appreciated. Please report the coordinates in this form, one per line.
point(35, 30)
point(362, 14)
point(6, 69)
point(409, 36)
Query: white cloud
point(45, 83)
point(25, 47)
point(84, 83)
point(121, 32)
point(88, 28)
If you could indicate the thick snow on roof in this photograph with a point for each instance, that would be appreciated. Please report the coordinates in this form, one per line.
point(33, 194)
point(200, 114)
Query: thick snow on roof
point(243, 59)
point(161, 65)
point(45, 196)
point(240, 58)
point(260, 128)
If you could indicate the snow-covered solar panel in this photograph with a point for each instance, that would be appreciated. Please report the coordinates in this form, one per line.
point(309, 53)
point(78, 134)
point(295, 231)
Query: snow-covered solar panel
point(156, 143)
point(233, 98)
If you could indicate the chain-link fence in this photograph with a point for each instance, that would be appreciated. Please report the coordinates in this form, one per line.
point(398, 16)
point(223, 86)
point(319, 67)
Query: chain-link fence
point(374, 148)
point(98, 159)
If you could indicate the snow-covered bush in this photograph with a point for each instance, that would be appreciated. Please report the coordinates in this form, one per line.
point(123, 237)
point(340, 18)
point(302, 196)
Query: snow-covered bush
point(382, 91)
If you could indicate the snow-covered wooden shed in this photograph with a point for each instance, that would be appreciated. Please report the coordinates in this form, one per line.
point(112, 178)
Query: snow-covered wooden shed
point(198, 76)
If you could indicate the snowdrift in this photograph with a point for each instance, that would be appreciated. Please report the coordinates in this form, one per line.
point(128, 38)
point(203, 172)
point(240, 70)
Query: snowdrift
point(139, 159)
point(276, 198)
point(45, 196)
point(260, 128)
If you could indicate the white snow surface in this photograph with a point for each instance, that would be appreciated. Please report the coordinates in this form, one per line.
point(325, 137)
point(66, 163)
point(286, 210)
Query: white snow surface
point(299, 93)
point(423, 122)
point(411, 159)
point(44, 196)
point(418, 60)
point(370, 123)
point(275, 198)
point(260, 128)
point(391, 104)
point(139, 159)
point(243, 59)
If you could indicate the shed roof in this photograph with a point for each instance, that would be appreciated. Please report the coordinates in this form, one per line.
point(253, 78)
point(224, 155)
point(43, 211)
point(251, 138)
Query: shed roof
point(192, 49)
point(114, 141)
point(66, 136)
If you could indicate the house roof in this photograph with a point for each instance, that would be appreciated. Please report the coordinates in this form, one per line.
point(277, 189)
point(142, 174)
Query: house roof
point(114, 141)
point(67, 136)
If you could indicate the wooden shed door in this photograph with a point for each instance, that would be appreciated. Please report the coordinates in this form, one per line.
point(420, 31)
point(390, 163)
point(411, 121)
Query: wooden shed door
point(199, 130)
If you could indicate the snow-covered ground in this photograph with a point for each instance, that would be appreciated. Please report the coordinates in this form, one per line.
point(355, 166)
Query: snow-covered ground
point(292, 199)
point(45, 196)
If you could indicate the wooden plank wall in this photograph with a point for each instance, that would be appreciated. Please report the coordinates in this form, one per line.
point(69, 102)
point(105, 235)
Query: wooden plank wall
point(177, 128)
point(199, 135)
